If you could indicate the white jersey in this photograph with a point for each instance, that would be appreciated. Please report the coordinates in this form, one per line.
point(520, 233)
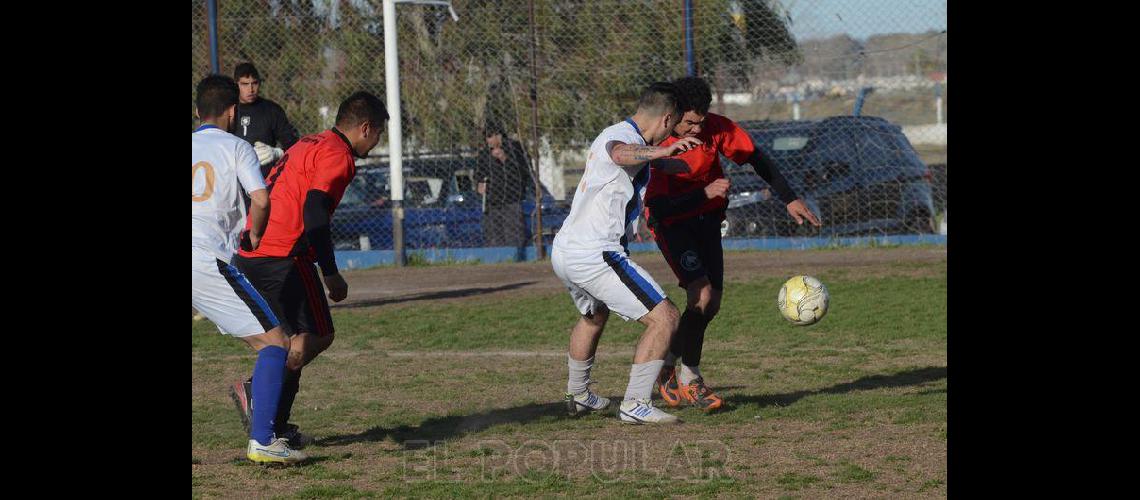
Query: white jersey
point(222, 165)
point(603, 215)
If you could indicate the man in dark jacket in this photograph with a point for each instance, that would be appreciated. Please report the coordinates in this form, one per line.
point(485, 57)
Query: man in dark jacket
point(503, 174)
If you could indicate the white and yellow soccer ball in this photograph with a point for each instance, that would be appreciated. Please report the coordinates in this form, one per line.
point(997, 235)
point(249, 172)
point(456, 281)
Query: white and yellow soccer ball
point(803, 300)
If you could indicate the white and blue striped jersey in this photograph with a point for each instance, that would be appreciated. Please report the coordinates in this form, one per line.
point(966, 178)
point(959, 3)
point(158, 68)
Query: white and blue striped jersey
point(603, 215)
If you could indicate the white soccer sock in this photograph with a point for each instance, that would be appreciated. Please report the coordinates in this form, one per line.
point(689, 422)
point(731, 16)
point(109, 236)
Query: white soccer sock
point(641, 379)
point(579, 374)
point(688, 373)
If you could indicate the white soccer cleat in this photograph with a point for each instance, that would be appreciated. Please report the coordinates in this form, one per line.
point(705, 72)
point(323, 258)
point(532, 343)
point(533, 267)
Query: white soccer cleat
point(586, 402)
point(642, 411)
point(277, 452)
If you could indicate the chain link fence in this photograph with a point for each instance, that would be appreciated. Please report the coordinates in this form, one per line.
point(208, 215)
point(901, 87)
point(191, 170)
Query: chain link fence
point(847, 96)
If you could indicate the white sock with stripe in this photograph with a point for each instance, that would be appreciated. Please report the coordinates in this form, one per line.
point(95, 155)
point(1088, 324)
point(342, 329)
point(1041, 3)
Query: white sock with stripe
point(579, 379)
point(641, 379)
point(688, 374)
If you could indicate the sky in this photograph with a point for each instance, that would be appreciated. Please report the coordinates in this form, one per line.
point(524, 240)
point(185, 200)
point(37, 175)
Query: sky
point(862, 18)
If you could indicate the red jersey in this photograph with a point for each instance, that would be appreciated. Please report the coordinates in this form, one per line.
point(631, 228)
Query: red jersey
point(719, 135)
point(322, 161)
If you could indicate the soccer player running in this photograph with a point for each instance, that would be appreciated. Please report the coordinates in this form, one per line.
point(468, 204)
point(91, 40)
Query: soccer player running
point(305, 187)
point(685, 213)
point(590, 256)
point(222, 166)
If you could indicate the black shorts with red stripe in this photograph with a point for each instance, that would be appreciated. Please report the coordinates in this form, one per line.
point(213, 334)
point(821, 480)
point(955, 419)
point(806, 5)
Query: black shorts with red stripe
point(293, 288)
point(692, 248)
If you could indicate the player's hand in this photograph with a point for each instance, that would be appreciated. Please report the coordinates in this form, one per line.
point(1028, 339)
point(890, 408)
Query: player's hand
point(716, 188)
point(683, 145)
point(254, 240)
point(799, 211)
point(267, 154)
point(338, 289)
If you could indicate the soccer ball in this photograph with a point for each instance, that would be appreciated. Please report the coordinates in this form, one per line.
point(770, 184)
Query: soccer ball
point(803, 300)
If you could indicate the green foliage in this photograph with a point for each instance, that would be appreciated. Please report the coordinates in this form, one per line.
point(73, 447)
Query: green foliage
point(592, 58)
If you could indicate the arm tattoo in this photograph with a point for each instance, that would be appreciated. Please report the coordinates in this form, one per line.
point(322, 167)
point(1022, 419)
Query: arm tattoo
point(642, 153)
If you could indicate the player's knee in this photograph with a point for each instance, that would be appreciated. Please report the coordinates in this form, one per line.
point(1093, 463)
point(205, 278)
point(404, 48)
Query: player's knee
point(710, 311)
point(295, 361)
point(598, 317)
point(707, 301)
point(699, 294)
point(709, 308)
point(667, 315)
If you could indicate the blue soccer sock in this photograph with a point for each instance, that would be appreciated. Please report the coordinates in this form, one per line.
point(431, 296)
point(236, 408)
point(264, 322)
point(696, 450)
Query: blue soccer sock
point(267, 374)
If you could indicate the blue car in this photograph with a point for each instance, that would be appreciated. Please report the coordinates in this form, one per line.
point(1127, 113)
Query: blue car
point(859, 174)
point(441, 207)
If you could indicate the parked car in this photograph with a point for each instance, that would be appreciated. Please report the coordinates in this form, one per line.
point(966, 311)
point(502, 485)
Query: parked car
point(441, 207)
point(859, 174)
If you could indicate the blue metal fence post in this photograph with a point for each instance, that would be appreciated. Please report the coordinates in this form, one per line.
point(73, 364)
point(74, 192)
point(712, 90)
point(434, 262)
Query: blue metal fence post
point(690, 63)
point(859, 100)
point(212, 13)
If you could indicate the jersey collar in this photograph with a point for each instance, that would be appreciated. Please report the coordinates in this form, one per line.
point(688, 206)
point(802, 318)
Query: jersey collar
point(630, 121)
point(346, 141)
point(206, 126)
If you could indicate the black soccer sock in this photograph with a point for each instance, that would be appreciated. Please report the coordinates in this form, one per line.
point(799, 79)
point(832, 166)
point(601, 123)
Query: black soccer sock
point(289, 386)
point(692, 328)
point(677, 345)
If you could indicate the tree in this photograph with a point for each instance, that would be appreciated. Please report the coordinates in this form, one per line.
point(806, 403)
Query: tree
point(593, 59)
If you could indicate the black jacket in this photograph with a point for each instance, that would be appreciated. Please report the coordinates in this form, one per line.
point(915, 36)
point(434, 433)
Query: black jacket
point(507, 183)
point(264, 121)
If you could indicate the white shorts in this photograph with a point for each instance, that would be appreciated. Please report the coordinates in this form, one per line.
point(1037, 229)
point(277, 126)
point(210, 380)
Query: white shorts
point(223, 294)
point(607, 277)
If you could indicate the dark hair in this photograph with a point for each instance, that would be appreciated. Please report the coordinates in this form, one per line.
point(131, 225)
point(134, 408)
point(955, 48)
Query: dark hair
point(696, 94)
point(493, 128)
point(216, 93)
point(246, 69)
point(660, 98)
point(359, 108)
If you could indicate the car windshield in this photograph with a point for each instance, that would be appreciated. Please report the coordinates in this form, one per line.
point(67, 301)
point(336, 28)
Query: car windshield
point(365, 189)
point(789, 143)
point(372, 188)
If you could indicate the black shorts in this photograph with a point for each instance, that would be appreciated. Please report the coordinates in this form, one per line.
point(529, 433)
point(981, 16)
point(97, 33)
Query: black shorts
point(692, 248)
point(293, 289)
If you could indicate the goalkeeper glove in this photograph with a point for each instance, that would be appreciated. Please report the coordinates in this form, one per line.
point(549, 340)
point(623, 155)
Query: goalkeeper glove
point(267, 154)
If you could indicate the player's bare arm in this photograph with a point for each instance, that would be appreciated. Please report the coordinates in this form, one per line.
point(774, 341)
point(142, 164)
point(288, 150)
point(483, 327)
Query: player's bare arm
point(258, 215)
point(636, 155)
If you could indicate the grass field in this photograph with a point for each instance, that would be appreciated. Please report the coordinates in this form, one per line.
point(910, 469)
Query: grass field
point(462, 398)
